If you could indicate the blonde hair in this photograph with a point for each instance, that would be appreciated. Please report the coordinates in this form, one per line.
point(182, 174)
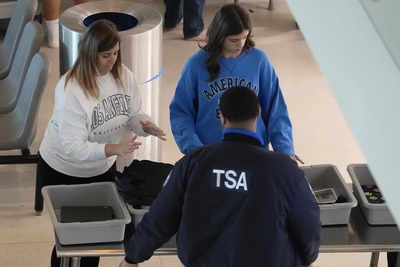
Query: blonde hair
point(101, 36)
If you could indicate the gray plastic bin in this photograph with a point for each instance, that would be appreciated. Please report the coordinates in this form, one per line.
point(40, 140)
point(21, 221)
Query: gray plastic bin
point(94, 194)
point(376, 214)
point(138, 214)
point(324, 176)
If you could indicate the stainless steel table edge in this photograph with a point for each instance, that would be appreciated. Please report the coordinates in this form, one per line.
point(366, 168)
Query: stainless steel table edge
point(108, 252)
point(119, 251)
point(358, 248)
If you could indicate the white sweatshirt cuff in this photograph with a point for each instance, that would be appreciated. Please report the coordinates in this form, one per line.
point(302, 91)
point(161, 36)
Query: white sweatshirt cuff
point(99, 151)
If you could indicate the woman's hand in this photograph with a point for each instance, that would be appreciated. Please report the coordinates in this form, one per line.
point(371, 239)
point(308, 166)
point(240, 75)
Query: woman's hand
point(125, 264)
point(123, 148)
point(296, 158)
point(152, 129)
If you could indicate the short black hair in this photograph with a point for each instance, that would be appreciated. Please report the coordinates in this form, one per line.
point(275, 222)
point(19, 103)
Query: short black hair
point(239, 104)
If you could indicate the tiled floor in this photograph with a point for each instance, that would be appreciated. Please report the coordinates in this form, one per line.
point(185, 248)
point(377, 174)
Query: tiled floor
point(320, 132)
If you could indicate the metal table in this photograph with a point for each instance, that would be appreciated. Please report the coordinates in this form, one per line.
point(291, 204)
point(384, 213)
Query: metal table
point(357, 236)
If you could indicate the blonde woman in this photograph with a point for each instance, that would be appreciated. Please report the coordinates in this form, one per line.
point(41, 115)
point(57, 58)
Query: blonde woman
point(95, 101)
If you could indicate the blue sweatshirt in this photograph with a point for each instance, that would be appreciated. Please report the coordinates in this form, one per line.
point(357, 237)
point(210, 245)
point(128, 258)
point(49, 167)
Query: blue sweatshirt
point(194, 107)
point(233, 204)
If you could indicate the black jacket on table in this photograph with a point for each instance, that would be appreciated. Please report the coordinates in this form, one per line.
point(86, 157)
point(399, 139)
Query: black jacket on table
point(233, 204)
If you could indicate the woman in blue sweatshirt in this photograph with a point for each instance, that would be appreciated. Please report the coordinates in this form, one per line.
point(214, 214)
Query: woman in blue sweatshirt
point(228, 59)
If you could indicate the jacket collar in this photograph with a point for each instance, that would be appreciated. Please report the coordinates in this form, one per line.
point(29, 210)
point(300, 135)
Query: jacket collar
point(240, 135)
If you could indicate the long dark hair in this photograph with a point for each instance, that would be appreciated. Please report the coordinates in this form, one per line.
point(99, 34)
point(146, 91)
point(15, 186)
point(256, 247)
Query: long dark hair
point(101, 36)
point(231, 19)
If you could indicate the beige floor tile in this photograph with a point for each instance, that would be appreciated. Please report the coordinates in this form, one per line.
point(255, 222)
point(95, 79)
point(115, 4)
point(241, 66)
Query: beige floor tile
point(170, 261)
point(154, 261)
point(324, 260)
point(32, 254)
point(347, 260)
point(18, 224)
point(320, 132)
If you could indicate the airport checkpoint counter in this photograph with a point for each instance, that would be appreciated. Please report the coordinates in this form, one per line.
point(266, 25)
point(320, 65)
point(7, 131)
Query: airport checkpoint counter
point(357, 236)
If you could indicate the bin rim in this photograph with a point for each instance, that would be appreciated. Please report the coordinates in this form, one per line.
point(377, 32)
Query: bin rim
point(126, 215)
point(148, 17)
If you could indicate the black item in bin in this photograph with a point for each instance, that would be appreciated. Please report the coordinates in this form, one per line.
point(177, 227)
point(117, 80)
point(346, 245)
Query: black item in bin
point(141, 182)
point(71, 214)
point(375, 214)
point(373, 194)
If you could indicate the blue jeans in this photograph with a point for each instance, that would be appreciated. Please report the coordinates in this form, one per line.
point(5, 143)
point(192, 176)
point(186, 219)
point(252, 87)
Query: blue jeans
point(192, 13)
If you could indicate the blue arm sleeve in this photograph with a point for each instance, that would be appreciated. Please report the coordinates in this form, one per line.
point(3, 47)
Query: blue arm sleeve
point(274, 111)
point(183, 112)
point(162, 220)
point(304, 220)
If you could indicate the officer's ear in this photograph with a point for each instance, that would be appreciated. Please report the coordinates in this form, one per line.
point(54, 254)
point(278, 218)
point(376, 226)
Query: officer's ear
point(222, 119)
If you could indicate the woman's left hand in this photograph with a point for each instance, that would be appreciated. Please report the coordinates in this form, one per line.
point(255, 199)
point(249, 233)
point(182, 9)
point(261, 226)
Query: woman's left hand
point(153, 129)
point(296, 158)
point(125, 264)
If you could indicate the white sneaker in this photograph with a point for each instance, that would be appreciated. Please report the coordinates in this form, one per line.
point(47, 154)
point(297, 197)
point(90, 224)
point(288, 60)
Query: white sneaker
point(51, 28)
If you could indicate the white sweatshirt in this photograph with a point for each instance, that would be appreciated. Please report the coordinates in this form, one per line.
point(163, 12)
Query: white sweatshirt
point(75, 138)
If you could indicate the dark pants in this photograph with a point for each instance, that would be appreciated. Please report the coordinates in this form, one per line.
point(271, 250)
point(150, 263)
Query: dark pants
point(192, 13)
point(53, 177)
point(392, 258)
point(129, 231)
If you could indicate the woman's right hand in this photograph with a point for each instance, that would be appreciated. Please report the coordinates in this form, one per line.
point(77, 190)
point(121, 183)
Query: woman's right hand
point(125, 147)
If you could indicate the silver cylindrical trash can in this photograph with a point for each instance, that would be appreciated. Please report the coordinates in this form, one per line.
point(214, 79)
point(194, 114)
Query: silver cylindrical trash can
point(140, 28)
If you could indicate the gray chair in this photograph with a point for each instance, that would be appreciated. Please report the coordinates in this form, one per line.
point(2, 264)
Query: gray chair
point(21, 123)
point(24, 11)
point(10, 87)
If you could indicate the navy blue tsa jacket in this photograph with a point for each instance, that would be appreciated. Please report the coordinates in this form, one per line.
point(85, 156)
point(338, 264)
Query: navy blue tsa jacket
point(233, 204)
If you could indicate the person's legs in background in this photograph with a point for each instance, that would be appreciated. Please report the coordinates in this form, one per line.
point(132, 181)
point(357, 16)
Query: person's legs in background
point(193, 25)
point(51, 13)
point(51, 10)
point(192, 13)
point(173, 13)
point(392, 258)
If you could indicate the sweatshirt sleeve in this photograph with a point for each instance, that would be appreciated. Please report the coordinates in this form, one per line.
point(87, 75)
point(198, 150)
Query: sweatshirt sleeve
point(304, 219)
point(74, 131)
point(162, 220)
point(136, 113)
point(274, 111)
point(183, 111)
